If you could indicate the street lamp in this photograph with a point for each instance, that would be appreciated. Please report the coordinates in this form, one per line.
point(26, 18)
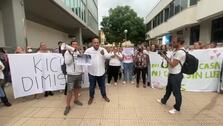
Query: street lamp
point(125, 31)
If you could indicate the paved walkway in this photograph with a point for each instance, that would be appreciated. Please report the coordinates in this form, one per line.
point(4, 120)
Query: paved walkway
point(129, 106)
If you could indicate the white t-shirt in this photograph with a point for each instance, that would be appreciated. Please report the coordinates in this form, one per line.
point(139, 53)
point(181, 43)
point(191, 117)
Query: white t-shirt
point(179, 55)
point(97, 67)
point(115, 61)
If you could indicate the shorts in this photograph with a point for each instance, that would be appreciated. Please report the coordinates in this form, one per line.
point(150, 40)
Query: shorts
point(74, 82)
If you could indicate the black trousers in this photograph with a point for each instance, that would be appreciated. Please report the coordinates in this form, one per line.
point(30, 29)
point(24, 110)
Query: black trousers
point(113, 71)
point(174, 85)
point(138, 73)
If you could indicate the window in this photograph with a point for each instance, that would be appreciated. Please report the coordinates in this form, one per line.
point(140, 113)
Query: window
point(183, 4)
point(149, 26)
point(176, 6)
point(217, 30)
point(166, 14)
point(154, 22)
point(194, 34)
point(161, 17)
point(193, 2)
point(157, 20)
point(171, 9)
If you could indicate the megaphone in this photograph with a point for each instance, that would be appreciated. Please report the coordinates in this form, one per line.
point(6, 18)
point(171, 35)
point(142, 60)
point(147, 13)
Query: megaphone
point(64, 46)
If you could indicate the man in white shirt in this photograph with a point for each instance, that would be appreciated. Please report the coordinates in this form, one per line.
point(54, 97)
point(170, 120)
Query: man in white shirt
point(175, 75)
point(74, 76)
point(96, 71)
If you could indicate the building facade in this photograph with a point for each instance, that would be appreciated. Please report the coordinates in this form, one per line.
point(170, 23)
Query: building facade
point(193, 20)
point(29, 22)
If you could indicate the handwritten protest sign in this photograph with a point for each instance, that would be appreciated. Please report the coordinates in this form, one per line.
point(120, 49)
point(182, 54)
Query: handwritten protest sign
point(36, 73)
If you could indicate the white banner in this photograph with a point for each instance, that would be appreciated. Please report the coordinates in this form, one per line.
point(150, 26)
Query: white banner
point(207, 78)
point(36, 73)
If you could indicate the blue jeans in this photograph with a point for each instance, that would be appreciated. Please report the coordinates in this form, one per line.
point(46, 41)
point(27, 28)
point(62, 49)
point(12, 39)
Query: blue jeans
point(101, 84)
point(128, 71)
point(2, 94)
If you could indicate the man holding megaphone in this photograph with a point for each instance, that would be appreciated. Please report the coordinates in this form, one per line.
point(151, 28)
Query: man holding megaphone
point(74, 73)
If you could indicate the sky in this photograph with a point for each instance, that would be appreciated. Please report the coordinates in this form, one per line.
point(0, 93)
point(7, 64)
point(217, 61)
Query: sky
point(141, 7)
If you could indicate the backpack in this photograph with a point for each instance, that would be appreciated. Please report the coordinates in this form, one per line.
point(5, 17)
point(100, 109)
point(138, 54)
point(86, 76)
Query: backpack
point(190, 65)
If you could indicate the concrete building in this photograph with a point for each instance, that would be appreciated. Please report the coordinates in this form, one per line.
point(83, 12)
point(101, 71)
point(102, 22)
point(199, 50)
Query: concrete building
point(194, 20)
point(29, 22)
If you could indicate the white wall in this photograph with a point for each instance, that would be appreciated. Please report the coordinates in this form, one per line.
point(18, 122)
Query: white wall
point(209, 8)
point(2, 39)
point(37, 33)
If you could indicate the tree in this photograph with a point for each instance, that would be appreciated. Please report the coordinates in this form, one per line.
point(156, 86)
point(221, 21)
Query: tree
point(119, 19)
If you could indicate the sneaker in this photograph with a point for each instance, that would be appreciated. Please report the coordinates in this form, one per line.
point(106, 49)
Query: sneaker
point(67, 110)
point(124, 82)
point(144, 86)
point(77, 102)
point(132, 82)
point(137, 85)
point(106, 99)
point(116, 83)
point(90, 101)
point(108, 84)
point(79, 94)
point(173, 111)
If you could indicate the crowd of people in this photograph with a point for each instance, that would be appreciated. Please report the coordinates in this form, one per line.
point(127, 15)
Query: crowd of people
point(107, 63)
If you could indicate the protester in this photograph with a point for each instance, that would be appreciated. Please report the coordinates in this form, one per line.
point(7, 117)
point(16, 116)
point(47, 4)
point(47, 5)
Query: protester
point(19, 50)
point(3, 96)
point(213, 45)
point(197, 45)
point(175, 76)
point(114, 65)
point(74, 76)
point(58, 49)
point(128, 66)
point(146, 51)
point(153, 48)
point(97, 69)
point(44, 49)
point(5, 61)
point(29, 49)
point(141, 61)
